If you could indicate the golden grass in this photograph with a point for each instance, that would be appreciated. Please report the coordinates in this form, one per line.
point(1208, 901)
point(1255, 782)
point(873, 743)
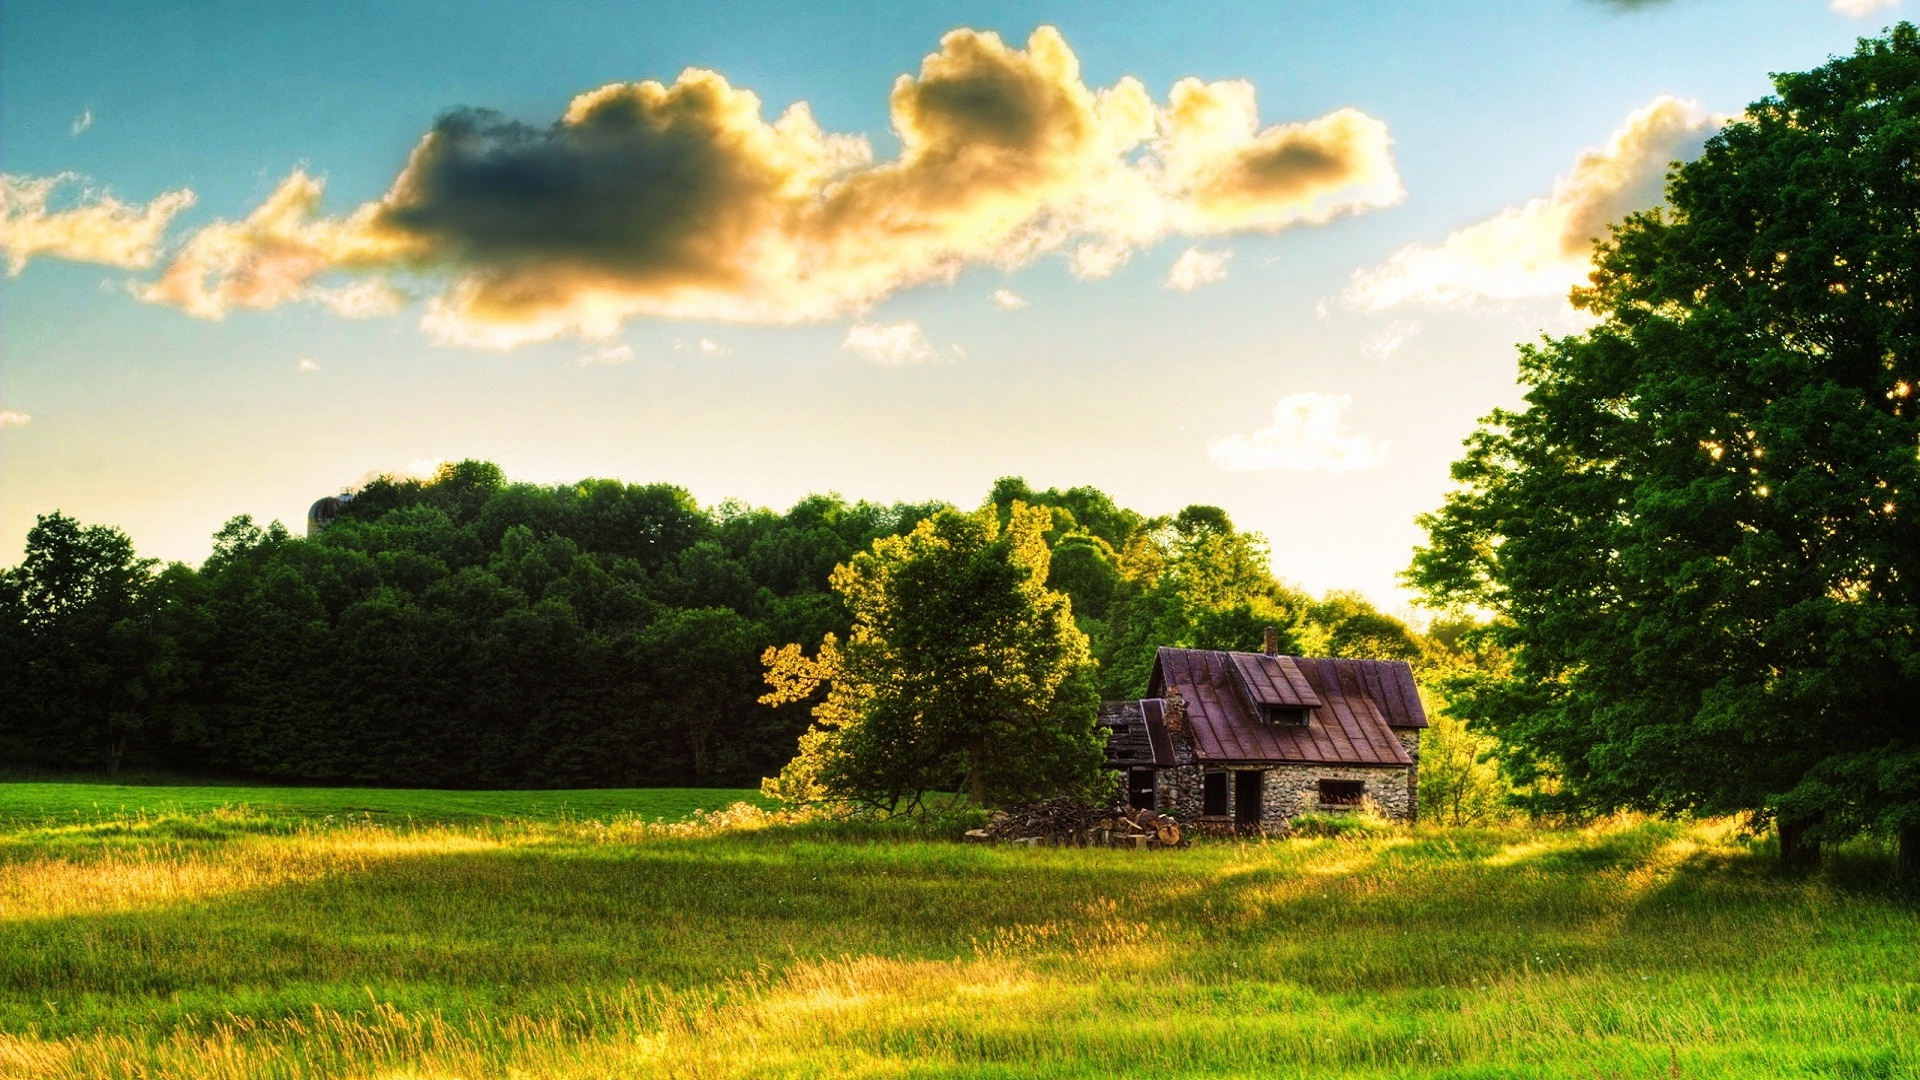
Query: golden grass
point(743, 948)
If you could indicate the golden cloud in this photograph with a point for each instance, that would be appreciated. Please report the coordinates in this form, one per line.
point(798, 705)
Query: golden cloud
point(1544, 248)
point(99, 229)
point(683, 201)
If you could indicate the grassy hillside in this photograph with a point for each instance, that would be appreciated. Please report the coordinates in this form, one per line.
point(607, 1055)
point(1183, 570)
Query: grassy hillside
point(235, 943)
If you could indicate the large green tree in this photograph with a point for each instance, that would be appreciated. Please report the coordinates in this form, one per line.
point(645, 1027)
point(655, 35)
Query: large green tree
point(963, 672)
point(1699, 536)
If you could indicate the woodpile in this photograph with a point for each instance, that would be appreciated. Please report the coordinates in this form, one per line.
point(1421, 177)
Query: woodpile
point(1065, 823)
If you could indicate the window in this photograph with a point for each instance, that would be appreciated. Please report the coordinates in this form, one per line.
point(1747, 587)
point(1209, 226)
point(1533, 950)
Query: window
point(1213, 795)
point(1284, 716)
point(1140, 789)
point(1342, 794)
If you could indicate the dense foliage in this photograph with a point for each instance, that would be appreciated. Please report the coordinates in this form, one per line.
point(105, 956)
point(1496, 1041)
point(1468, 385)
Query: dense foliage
point(1699, 536)
point(963, 672)
point(465, 631)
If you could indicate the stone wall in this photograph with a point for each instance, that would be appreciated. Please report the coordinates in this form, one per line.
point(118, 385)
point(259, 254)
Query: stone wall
point(1410, 742)
point(1290, 790)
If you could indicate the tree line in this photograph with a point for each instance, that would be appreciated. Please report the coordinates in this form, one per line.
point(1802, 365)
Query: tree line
point(466, 631)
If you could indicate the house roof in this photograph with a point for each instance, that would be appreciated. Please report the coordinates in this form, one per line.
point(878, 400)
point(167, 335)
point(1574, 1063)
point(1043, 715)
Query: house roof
point(1351, 706)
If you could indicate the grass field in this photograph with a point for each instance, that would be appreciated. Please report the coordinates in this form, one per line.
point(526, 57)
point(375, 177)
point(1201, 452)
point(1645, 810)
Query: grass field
point(233, 934)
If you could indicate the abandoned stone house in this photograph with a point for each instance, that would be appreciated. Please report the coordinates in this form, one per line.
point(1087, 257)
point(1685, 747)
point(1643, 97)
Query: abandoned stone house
point(1252, 740)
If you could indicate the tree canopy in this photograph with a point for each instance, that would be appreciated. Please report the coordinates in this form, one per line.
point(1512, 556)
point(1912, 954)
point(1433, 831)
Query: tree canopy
point(464, 630)
point(963, 672)
point(1698, 537)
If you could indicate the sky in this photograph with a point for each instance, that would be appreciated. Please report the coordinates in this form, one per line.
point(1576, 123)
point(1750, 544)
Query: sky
point(1275, 258)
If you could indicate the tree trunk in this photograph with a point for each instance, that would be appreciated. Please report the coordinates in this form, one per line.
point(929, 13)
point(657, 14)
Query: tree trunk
point(1906, 861)
point(976, 778)
point(1795, 848)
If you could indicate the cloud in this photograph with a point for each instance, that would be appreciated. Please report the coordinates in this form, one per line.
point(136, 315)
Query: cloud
point(1195, 268)
point(1305, 436)
point(681, 200)
point(1860, 9)
point(703, 346)
point(306, 365)
point(1008, 300)
point(1544, 248)
point(360, 299)
point(97, 228)
point(82, 122)
point(889, 344)
point(607, 356)
point(1390, 340)
point(9, 418)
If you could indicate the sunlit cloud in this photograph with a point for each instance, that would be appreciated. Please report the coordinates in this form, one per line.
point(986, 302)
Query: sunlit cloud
point(96, 228)
point(682, 201)
point(1860, 9)
point(1544, 248)
point(9, 418)
point(1305, 436)
point(1008, 300)
point(1195, 268)
point(81, 123)
point(306, 365)
point(360, 299)
point(890, 344)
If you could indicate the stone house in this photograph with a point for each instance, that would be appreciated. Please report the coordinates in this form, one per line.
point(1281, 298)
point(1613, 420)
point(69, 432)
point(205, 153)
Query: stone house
point(1248, 741)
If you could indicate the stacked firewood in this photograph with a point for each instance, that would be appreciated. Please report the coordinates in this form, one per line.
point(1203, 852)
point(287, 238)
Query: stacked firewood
point(1065, 823)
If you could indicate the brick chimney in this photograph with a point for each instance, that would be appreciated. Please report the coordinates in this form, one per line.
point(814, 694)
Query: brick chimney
point(1176, 712)
point(1273, 642)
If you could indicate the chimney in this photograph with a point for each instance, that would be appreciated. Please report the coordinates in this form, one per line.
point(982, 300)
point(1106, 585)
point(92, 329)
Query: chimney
point(1176, 714)
point(1273, 642)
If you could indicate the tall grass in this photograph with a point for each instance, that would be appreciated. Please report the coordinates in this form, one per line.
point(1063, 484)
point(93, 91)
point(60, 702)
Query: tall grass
point(234, 943)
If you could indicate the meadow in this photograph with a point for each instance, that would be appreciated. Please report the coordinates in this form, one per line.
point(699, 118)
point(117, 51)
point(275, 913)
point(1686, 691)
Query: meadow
point(229, 933)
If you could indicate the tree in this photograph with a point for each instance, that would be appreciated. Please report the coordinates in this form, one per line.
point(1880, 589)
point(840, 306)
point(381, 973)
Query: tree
point(1699, 536)
point(962, 672)
point(85, 664)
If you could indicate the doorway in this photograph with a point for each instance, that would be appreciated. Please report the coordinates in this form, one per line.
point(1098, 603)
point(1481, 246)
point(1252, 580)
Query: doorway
point(1249, 796)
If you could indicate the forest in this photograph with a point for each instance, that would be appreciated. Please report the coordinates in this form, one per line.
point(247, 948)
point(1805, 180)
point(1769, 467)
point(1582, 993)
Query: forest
point(465, 631)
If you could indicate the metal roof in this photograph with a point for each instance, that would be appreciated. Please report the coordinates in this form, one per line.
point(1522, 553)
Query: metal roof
point(1356, 704)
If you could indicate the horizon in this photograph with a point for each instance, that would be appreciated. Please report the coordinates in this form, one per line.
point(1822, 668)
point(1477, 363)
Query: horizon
point(1288, 287)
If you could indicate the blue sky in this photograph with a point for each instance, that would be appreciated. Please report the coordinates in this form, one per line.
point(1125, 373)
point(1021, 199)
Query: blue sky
point(912, 383)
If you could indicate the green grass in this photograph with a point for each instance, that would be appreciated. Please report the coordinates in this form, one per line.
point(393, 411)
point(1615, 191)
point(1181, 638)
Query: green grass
point(39, 803)
point(177, 941)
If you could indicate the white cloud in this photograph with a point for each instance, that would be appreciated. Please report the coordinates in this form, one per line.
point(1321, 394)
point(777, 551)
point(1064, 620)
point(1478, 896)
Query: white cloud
point(609, 356)
point(1305, 436)
point(891, 344)
point(306, 365)
point(703, 346)
point(1860, 9)
point(1544, 248)
point(98, 228)
point(1195, 268)
point(9, 418)
point(1008, 300)
point(82, 122)
point(1391, 339)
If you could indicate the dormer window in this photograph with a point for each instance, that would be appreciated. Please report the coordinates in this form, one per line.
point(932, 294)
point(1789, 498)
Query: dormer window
point(1283, 716)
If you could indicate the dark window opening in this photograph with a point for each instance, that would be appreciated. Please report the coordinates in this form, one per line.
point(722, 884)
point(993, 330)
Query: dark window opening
point(1343, 794)
point(1249, 789)
point(1213, 795)
point(1282, 715)
point(1140, 790)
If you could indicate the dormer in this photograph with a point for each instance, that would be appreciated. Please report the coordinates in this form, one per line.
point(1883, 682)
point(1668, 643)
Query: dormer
point(1274, 685)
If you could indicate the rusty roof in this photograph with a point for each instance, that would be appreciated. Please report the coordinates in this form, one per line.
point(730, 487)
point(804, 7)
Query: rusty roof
point(1356, 704)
